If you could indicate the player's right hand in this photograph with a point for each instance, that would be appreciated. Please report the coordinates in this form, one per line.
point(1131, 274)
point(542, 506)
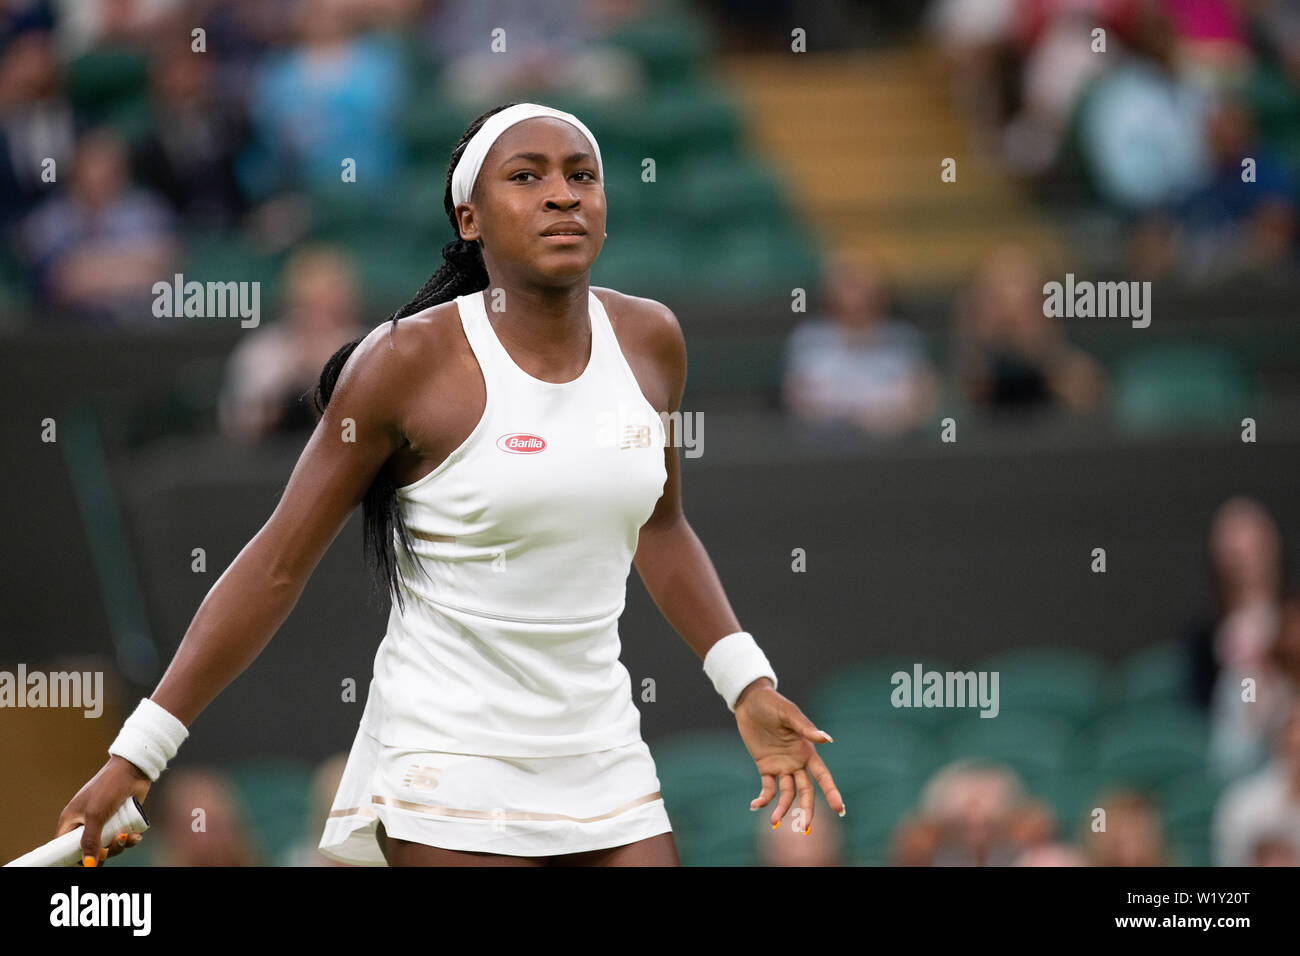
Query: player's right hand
point(98, 800)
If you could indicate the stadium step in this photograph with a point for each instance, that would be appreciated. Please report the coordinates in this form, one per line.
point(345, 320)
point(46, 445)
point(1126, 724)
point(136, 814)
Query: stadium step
point(861, 138)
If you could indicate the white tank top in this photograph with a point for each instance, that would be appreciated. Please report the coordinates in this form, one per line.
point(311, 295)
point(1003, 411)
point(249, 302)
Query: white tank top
point(510, 646)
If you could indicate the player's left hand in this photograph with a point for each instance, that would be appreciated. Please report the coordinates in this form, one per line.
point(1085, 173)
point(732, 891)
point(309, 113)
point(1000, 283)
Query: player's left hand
point(780, 739)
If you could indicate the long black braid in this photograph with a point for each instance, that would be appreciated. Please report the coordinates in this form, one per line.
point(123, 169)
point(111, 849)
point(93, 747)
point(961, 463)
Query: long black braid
point(462, 273)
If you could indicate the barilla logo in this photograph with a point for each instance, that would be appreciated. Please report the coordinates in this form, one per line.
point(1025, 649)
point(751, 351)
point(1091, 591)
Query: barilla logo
point(521, 443)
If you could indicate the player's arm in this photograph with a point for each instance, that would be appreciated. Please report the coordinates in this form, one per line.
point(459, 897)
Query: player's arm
point(685, 587)
point(357, 434)
point(672, 562)
point(359, 431)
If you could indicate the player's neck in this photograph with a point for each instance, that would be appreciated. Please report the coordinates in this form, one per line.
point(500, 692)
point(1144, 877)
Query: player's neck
point(548, 320)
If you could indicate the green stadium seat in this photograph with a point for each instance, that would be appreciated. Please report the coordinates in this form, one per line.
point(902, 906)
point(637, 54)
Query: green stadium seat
point(391, 267)
point(706, 764)
point(218, 258)
point(1147, 746)
point(100, 81)
point(643, 265)
point(630, 203)
point(707, 779)
point(721, 847)
point(1181, 386)
point(1034, 745)
point(1191, 853)
point(1065, 681)
point(1271, 94)
point(881, 746)
point(670, 45)
point(1153, 675)
point(1187, 805)
point(431, 124)
point(859, 696)
point(1072, 794)
point(875, 805)
point(727, 189)
point(677, 126)
point(746, 261)
point(277, 798)
point(15, 298)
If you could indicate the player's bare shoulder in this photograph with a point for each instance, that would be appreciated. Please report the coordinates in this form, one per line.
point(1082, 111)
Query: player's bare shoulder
point(416, 347)
point(640, 318)
point(393, 365)
point(651, 338)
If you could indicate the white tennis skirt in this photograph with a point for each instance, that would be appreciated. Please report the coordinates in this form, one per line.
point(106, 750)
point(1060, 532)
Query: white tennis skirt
point(518, 806)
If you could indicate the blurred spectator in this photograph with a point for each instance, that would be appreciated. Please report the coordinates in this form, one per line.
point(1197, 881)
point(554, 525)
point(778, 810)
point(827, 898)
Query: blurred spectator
point(96, 251)
point(1133, 835)
point(788, 846)
point(334, 96)
point(1051, 854)
point(1247, 575)
point(325, 784)
point(189, 153)
point(857, 363)
point(36, 122)
point(1277, 31)
point(201, 822)
point(1211, 35)
point(240, 33)
point(1242, 732)
point(1234, 225)
point(1275, 850)
point(270, 371)
point(1263, 808)
point(974, 37)
point(554, 48)
point(1142, 128)
point(972, 813)
point(1058, 65)
point(1008, 355)
point(85, 24)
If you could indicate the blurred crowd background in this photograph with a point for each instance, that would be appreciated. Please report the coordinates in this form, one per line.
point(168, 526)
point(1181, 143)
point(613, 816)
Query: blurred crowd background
point(1115, 140)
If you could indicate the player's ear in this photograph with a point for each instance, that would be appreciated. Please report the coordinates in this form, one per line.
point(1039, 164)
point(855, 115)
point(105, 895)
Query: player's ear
point(465, 217)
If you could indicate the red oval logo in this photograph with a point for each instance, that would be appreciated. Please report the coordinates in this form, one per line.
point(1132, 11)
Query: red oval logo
point(521, 443)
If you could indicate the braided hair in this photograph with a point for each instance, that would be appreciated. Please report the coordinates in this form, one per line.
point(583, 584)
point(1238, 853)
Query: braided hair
point(462, 273)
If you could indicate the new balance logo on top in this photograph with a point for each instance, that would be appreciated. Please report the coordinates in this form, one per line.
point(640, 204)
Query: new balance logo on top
point(635, 436)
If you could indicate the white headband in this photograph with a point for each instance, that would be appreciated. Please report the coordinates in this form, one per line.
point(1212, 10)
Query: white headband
point(476, 150)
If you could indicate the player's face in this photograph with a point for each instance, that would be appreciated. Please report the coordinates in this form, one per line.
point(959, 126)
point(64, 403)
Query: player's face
point(539, 174)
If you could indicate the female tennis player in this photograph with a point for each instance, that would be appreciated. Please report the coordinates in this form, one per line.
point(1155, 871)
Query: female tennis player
point(511, 436)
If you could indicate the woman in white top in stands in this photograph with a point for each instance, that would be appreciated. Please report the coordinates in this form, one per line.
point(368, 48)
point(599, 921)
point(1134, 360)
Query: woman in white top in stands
point(509, 436)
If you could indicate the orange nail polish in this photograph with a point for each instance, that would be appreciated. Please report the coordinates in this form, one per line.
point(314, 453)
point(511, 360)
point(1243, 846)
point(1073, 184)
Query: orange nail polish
point(808, 831)
point(775, 825)
point(88, 860)
point(103, 852)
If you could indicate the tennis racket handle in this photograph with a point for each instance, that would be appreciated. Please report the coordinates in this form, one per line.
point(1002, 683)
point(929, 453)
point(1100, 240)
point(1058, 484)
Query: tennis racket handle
point(65, 850)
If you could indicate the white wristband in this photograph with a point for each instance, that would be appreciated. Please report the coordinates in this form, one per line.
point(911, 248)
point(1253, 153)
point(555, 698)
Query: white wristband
point(734, 663)
point(149, 738)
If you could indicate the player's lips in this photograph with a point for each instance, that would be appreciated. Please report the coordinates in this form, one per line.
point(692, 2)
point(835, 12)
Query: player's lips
point(569, 228)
